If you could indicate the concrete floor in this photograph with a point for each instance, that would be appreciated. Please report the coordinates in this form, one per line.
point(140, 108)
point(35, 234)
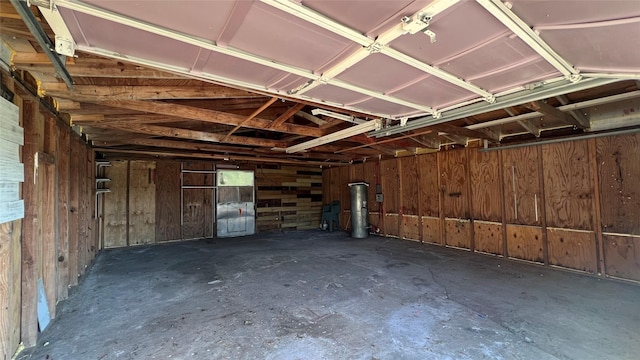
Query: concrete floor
point(320, 295)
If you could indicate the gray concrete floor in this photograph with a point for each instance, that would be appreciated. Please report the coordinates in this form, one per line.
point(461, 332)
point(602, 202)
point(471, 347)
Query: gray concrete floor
point(320, 295)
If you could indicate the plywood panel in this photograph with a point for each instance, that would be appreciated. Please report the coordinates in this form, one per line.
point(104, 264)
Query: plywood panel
point(458, 233)
point(375, 222)
point(357, 173)
point(486, 186)
point(47, 234)
point(488, 237)
point(619, 176)
point(428, 166)
point(410, 185)
point(567, 185)
point(453, 179)
point(142, 203)
point(167, 180)
point(5, 282)
point(572, 249)
point(74, 209)
point(411, 227)
point(431, 230)
point(115, 205)
point(523, 202)
point(197, 203)
point(371, 169)
point(390, 185)
point(391, 224)
point(525, 242)
point(622, 256)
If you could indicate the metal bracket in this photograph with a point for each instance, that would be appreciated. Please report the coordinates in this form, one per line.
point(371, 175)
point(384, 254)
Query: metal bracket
point(416, 23)
point(65, 47)
point(375, 47)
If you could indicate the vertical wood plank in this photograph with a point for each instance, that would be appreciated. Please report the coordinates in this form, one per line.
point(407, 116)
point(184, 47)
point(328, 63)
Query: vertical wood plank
point(472, 240)
point(597, 211)
point(6, 230)
point(167, 200)
point(142, 203)
point(74, 209)
point(62, 171)
point(115, 205)
point(544, 198)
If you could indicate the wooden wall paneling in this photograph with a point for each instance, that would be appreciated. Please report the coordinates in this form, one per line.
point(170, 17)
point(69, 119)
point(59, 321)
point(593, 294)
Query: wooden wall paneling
point(521, 184)
point(472, 240)
point(400, 207)
point(573, 249)
point(392, 224)
point(619, 177)
point(488, 237)
point(62, 175)
point(344, 196)
point(410, 185)
point(429, 190)
point(14, 294)
point(48, 259)
point(195, 216)
point(441, 192)
point(167, 180)
point(33, 133)
point(622, 256)
point(486, 191)
point(389, 181)
point(501, 167)
point(142, 203)
point(6, 230)
point(567, 185)
point(357, 173)
point(411, 227)
point(370, 169)
point(293, 194)
point(74, 209)
point(525, 242)
point(83, 219)
point(431, 227)
point(458, 233)
point(115, 205)
point(453, 173)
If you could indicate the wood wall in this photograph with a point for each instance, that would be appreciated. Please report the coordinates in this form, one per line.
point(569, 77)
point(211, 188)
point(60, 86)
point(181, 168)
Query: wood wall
point(144, 205)
point(55, 241)
point(573, 205)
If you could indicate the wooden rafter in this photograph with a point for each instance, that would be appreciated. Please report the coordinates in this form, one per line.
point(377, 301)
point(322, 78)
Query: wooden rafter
point(286, 115)
point(464, 132)
point(548, 110)
point(252, 115)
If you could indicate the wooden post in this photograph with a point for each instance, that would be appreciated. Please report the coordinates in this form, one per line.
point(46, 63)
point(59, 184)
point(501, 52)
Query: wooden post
point(400, 196)
point(472, 241)
point(74, 210)
point(543, 208)
point(505, 248)
point(420, 199)
point(29, 319)
point(597, 226)
point(127, 196)
point(441, 191)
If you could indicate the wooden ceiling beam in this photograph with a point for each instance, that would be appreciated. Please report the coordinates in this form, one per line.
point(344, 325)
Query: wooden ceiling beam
point(252, 115)
point(97, 93)
point(468, 133)
point(192, 135)
point(252, 159)
point(314, 119)
point(286, 115)
point(548, 110)
point(212, 116)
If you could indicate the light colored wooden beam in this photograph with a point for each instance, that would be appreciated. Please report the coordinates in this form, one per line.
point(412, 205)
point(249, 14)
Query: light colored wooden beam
point(461, 131)
point(577, 114)
point(411, 136)
point(252, 115)
point(192, 135)
point(286, 115)
point(252, 159)
point(206, 115)
point(314, 119)
point(548, 110)
point(530, 127)
point(97, 93)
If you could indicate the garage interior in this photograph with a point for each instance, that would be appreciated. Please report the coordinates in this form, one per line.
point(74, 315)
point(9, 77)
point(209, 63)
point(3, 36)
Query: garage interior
point(166, 168)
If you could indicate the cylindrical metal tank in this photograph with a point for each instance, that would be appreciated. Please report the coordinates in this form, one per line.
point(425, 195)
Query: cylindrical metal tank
point(359, 216)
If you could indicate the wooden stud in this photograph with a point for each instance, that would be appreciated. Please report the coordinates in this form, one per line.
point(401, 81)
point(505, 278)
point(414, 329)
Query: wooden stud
point(543, 208)
point(505, 248)
point(597, 225)
point(286, 116)
point(470, 200)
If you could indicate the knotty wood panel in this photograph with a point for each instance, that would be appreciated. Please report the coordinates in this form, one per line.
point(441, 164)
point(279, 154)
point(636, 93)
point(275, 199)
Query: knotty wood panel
point(573, 249)
point(47, 234)
point(428, 167)
point(622, 256)
point(142, 203)
point(485, 185)
point(408, 169)
point(115, 205)
point(453, 174)
point(411, 227)
point(522, 206)
point(167, 176)
point(619, 176)
point(568, 190)
point(488, 237)
point(431, 230)
point(457, 233)
point(74, 209)
point(374, 221)
point(357, 173)
point(6, 230)
point(345, 195)
point(390, 187)
point(326, 185)
point(525, 242)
